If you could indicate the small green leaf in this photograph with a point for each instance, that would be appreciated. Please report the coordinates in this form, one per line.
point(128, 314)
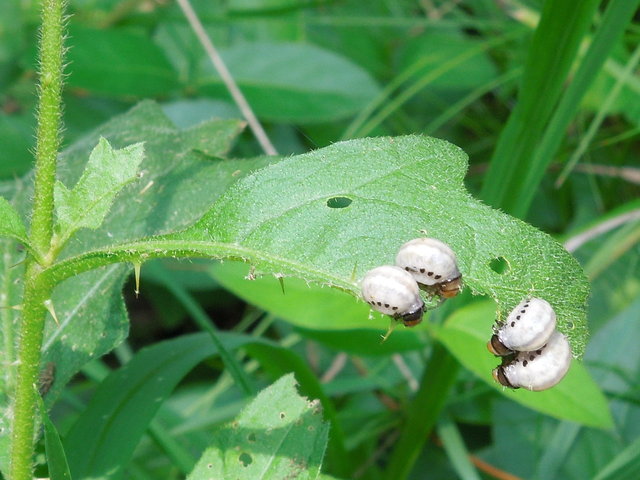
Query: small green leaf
point(10, 222)
point(56, 458)
point(465, 334)
point(278, 435)
point(106, 173)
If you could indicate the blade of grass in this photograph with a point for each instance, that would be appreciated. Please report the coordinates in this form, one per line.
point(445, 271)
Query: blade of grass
point(204, 322)
point(438, 378)
point(97, 371)
point(626, 465)
point(616, 17)
point(599, 118)
point(473, 96)
point(456, 450)
point(555, 453)
point(551, 54)
point(405, 95)
point(56, 458)
point(621, 215)
point(612, 249)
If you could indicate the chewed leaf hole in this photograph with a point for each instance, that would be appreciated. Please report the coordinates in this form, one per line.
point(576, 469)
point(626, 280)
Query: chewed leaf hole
point(499, 265)
point(245, 459)
point(339, 202)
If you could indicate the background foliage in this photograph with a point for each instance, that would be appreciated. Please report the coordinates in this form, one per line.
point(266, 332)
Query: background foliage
point(525, 98)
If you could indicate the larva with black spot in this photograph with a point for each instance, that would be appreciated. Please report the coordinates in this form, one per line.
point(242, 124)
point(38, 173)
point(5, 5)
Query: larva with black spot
point(392, 291)
point(537, 370)
point(433, 264)
point(527, 328)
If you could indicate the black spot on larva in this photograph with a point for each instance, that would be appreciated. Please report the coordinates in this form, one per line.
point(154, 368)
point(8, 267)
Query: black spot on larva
point(513, 324)
point(526, 305)
point(406, 268)
point(532, 357)
point(539, 352)
point(438, 277)
point(524, 364)
point(379, 304)
point(518, 317)
point(522, 311)
point(386, 305)
point(430, 274)
point(395, 308)
point(339, 202)
point(422, 270)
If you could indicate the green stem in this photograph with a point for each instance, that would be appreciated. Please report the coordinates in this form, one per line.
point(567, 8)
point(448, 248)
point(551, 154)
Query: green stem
point(48, 130)
point(31, 334)
point(437, 380)
point(36, 289)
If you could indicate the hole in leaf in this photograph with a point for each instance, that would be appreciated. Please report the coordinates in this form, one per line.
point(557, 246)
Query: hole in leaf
point(245, 459)
point(282, 415)
point(339, 202)
point(499, 265)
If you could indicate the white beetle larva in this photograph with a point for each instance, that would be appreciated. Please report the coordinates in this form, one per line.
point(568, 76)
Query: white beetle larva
point(527, 328)
point(537, 370)
point(392, 291)
point(432, 263)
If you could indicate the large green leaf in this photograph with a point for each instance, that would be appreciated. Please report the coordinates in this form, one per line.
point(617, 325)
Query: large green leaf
point(331, 215)
point(293, 82)
point(278, 435)
point(118, 62)
point(465, 335)
point(283, 220)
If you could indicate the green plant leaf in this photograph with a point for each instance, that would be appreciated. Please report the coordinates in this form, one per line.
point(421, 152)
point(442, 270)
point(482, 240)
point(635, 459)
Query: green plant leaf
point(278, 435)
point(56, 458)
point(106, 173)
point(104, 436)
point(90, 308)
point(350, 206)
point(118, 62)
point(10, 222)
point(398, 188)
point(106, 433)
point(293, 82)
point(465, 334)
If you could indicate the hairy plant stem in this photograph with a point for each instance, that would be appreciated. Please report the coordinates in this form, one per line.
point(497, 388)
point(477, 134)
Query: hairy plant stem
point(31, 333)
point(36, 289)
